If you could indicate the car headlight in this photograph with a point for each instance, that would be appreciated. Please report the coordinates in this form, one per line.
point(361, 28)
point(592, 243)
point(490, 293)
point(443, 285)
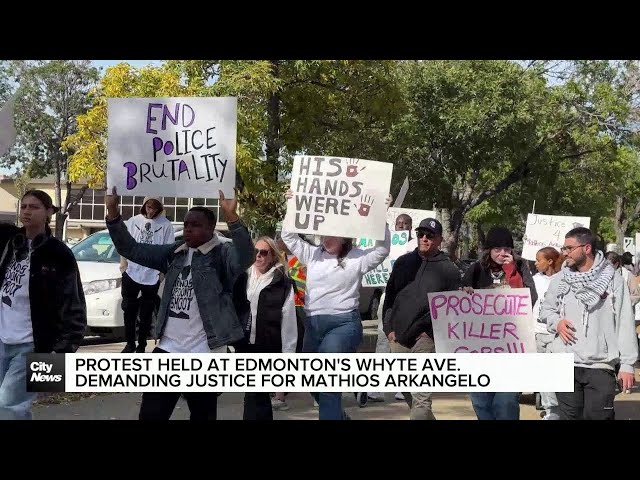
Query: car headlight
point(98, 286)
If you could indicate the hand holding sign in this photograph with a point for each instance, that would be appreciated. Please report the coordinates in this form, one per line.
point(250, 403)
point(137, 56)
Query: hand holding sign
point(229, 206)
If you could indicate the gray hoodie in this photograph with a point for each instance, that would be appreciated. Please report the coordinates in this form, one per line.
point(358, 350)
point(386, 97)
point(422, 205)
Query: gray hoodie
point(610, 337)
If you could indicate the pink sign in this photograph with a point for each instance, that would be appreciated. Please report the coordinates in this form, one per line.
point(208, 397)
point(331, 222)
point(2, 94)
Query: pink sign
point(487, 321)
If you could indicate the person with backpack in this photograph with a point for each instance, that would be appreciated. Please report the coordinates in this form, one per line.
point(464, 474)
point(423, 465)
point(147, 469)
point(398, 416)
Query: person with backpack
point(199, 308)
point(273, 326)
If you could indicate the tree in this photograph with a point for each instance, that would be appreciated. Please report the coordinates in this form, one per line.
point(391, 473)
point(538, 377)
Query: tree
point(50, 96)
point(480, 130)
point(284, 107)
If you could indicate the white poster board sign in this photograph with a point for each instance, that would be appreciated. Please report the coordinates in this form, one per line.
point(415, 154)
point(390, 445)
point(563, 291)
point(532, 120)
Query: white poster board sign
point(629, 245)
point(548, 231)
point(182, 146)
point(337, 196)
point(400, 244)
point(498, 320)
point(416, 215)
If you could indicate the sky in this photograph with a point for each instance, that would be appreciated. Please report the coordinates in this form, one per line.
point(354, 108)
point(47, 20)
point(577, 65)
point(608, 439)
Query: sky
point(103, 65)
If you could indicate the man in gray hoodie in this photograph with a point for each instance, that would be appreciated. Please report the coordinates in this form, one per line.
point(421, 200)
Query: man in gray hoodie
point(587, 307)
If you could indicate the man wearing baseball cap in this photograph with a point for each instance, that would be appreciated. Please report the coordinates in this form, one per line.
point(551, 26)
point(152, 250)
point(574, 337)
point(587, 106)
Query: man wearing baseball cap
point(406, 315)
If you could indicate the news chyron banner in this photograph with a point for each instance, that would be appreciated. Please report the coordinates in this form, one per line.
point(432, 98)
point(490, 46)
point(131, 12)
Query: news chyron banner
point(300, 372)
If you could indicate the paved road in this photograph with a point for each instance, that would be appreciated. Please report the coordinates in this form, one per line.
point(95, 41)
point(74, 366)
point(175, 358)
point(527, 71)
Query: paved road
point(446, 406)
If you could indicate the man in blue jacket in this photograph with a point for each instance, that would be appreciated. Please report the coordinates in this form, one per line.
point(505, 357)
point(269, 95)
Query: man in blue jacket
point(197, 312)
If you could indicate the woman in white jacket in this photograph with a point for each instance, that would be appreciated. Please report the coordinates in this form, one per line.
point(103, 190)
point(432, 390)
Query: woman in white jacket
point(273, 327)
point(548, 263)
point(334, 276)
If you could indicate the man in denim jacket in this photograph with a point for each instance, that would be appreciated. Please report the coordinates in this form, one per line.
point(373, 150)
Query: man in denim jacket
point(197, 313)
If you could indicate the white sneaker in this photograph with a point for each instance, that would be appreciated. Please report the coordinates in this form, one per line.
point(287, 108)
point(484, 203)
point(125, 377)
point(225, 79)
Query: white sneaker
point(551, 416)
point(399, 396)
point(374, 397)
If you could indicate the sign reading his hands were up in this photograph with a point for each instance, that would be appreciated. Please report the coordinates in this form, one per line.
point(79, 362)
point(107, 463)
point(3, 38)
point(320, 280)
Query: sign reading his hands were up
point(342, 197)
point(183, 147)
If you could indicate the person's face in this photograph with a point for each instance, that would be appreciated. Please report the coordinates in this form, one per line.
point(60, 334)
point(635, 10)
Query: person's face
point(152, 208)
point(542, 264)
point(33, 212)
point(403, 222)
point(575, 252)
point(197, 229)
point(333, 245)
point(501, 254)
point(264, 256)
point(428, 242)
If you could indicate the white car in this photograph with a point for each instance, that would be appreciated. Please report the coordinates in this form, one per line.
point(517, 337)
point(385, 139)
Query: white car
point(99, 266)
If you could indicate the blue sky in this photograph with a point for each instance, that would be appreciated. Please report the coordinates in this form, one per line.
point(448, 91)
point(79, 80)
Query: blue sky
point(104, 64)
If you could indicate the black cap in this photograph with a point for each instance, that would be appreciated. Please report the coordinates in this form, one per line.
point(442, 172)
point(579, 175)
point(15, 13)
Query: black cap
point(430, 224)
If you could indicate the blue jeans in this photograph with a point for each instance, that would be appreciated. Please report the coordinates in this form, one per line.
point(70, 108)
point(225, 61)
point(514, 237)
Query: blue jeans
point(15, 401)
point(332, 334)
point(496, 406)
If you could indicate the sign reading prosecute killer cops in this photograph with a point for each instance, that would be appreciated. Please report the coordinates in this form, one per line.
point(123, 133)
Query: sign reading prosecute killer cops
point(498, 320)
point(336, 196)
point(182, 147)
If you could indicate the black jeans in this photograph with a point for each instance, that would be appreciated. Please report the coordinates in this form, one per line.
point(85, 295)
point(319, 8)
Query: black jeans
point(592, 398)
point(160, 405)
point(257, 405)
point(132, 305)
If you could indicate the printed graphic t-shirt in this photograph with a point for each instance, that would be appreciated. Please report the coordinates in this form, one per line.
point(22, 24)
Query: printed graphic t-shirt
point(184, 332)
point(15, 308)
point(155, 231)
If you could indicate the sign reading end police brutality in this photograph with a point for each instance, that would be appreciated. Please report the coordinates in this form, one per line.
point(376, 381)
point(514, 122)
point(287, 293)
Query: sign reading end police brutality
point(172, 146)
point(342, 197)
point(487, 321)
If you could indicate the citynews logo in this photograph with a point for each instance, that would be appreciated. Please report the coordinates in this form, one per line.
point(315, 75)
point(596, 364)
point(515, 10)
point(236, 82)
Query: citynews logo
point(45, 372)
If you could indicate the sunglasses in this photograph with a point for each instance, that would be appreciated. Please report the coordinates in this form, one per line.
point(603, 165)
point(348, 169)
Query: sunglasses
point(429, 235)
point(261, 252)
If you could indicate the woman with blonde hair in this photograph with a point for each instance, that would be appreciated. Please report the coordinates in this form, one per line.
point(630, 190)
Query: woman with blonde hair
point(272, 327)
point(548, 263)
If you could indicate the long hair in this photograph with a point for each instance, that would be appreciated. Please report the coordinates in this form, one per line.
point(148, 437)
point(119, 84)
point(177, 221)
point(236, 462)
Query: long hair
point(278, 255)
point(551, 254)
point(345, 248)
point(46, 200)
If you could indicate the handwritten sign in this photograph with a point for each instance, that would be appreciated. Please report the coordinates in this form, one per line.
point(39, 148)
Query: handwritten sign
point(183, 147)
point(496, 320)
point(548, 231)
point(416, 215)
point(629, 245)
point(342, 197)
point(400, 244)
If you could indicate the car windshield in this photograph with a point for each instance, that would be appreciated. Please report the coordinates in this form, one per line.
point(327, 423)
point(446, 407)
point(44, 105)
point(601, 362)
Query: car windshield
point(96, 248)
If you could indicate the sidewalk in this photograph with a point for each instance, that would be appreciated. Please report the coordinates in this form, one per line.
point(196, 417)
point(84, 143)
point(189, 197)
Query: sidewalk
point(446, 406)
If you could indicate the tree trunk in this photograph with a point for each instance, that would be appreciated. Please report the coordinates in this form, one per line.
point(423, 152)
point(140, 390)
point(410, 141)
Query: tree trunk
point(451, 224)
point(60, 216)
point(621, 222)
point(273, 142)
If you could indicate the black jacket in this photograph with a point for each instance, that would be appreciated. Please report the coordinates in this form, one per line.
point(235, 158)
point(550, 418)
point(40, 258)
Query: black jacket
point(269, 315)
point(406, 306)
point(58, 309)
point(479, 277)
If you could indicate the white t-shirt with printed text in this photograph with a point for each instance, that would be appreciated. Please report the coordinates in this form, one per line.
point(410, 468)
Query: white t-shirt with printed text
point(155, 231)
point(15, 307)
point(184, 331)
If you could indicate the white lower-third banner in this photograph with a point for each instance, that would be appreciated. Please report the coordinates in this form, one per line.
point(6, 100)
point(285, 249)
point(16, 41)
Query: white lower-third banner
point(299, 372)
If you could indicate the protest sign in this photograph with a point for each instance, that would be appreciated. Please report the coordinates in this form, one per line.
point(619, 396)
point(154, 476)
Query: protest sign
point(548, 231)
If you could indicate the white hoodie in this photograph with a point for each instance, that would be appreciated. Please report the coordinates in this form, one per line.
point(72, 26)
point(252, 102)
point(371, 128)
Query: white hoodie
point(334, 289)
point(611, 337)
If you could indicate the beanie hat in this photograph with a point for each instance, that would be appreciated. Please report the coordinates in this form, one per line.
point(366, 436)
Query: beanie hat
point(498, 237)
